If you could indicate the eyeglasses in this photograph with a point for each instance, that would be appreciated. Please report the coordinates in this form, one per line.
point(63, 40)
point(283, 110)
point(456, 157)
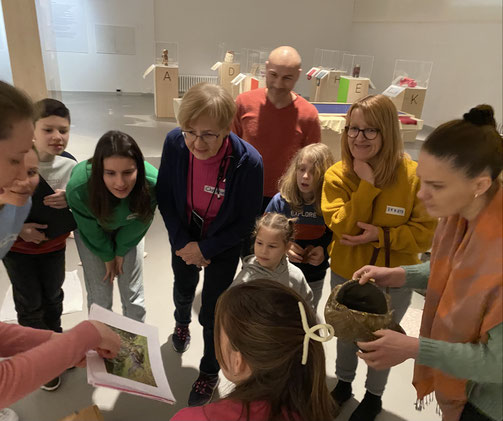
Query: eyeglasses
point(206, 137)
point(368, 133)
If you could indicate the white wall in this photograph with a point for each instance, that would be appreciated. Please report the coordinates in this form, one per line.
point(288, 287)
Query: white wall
point(93, 71)
point(199, 26)
point(463, 38)
point(5, 71)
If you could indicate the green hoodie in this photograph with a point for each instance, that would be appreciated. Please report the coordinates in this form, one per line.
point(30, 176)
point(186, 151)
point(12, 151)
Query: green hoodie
point(98, 237)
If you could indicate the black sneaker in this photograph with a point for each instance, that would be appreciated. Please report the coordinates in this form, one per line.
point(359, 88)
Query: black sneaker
point(342, 392)
point(52, 385)
point(181, 338)
point(367, 409)
point(203, 389)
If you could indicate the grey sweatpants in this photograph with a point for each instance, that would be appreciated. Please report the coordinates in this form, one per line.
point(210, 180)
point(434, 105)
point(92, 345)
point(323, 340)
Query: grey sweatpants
point(130, 283)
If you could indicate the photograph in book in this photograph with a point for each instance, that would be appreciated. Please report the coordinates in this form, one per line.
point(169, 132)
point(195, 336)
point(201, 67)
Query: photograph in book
point(138, 367)
point(132, 362)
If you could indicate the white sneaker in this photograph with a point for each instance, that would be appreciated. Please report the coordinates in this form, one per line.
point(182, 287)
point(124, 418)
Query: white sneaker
point(8, 414)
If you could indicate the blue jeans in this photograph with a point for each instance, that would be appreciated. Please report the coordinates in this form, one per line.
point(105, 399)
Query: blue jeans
point(347, 360)
point(218, 275)
point(130, 282)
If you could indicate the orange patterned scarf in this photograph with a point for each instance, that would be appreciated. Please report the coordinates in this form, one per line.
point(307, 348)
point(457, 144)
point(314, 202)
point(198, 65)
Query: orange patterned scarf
point(464, 296)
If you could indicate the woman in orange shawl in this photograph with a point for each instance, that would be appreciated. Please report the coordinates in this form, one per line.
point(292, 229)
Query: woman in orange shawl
point(459, 352)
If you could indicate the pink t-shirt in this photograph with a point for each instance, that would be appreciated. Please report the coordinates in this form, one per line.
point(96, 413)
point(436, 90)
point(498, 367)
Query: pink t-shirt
point(204, 174)
point(37, 357)
point(225, 410)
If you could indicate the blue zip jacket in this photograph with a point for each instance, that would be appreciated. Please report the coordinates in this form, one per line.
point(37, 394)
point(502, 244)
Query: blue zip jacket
point(242, 200)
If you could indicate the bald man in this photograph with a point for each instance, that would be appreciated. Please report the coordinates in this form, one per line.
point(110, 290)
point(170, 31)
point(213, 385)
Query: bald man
point(275, 120)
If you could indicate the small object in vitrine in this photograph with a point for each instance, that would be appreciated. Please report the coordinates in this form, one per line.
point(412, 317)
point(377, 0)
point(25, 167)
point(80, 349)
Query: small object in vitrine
point(411, 83)
point(229, 56)
point(164, 57)
point(356, 71)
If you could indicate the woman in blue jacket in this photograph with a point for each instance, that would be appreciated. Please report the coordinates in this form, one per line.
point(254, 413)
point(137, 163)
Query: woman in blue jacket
point(209, 192)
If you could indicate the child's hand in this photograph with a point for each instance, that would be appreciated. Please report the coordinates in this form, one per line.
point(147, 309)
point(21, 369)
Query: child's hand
point(316, 256)
point(110, 343)
point(111, 271)
point(119, 261)
point(295, 253)
point(31, 234)
point(56, 200)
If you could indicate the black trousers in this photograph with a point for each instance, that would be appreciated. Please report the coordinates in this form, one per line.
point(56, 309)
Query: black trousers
point(470, 413)
point(36, 286)
point(218, 275)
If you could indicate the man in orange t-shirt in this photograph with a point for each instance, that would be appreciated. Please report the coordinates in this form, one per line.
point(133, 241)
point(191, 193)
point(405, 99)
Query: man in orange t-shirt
point(275, 120)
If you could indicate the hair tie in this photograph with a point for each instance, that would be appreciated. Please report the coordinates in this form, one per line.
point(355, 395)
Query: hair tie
point(309, 332)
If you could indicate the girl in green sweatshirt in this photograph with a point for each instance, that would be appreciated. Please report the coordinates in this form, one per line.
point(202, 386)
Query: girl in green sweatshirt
point(113, 201)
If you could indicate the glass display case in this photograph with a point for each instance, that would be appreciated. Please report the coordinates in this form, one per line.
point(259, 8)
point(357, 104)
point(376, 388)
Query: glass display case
point(357, 65)
point(166, 53)
point(412, 73)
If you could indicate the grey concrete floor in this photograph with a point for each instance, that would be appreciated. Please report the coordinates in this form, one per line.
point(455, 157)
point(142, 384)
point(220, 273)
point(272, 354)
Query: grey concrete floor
point(92, 115)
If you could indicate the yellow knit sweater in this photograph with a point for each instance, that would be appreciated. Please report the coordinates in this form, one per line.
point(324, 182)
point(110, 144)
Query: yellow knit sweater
point(347, 200)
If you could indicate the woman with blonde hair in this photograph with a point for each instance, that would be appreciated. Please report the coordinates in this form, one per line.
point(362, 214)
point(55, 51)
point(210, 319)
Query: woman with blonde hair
point(369, 202)
point(209, 192)
point(300, 198)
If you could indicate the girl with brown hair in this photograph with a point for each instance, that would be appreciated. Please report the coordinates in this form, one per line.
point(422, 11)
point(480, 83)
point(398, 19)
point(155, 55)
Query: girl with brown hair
point(112, 197)
point(264, 346)
point(369, 202)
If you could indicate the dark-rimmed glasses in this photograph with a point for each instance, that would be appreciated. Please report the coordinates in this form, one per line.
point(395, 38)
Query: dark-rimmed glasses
point(368, 133)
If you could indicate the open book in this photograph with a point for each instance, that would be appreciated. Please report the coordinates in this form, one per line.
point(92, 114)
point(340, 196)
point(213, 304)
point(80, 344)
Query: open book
point(138, 368)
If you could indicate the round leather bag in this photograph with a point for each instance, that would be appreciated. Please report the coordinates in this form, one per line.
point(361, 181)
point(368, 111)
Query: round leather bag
point(355, 311)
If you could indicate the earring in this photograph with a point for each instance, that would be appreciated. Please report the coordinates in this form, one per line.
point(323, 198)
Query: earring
point(476, 195)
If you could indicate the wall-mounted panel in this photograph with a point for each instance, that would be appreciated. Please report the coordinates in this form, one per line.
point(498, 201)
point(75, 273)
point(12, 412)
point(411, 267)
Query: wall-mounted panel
point(111, 39)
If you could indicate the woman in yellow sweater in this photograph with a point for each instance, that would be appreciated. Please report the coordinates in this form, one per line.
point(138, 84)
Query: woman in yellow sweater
point(369, 202)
